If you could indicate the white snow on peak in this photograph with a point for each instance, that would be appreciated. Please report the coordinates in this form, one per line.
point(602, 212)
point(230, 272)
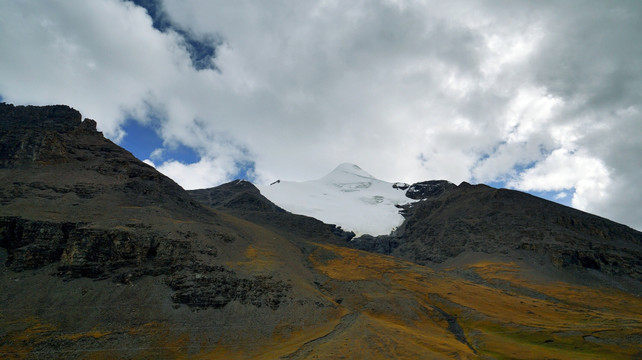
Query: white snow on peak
point(348, 171)
point(348, 197)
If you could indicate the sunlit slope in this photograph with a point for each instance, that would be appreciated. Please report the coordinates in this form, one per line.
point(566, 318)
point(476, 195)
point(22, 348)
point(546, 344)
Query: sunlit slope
point(384, 308)
point(351, 304)
point(404, 310)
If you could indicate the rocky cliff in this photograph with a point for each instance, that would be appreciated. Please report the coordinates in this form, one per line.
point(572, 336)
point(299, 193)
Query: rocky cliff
point(74, 200)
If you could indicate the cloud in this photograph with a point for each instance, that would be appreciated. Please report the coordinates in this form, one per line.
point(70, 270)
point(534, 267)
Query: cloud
point(102, 57)
point(594, 67)
point(561, 195)
point(536, 95)
point(563, 170)
point(157, 154)
point(201, 47)
point(203, 174)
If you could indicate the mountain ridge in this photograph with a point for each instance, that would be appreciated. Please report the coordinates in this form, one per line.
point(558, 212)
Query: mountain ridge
point(478, 218)
point(447, 221)
point(443, 221)
point(101, 256)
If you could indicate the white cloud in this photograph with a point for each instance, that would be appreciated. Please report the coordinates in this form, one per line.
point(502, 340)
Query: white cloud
point(157, 154)
point(542, 95)
point(563, 170)
point(200, 175)
point(102, 56)
point(561, 195)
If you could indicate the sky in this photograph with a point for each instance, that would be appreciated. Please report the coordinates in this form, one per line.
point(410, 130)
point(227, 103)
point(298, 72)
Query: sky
point(538, 96)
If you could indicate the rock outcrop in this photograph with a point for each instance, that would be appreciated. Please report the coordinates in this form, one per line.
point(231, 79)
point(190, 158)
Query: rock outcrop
point(216, 286)
point(428, 189)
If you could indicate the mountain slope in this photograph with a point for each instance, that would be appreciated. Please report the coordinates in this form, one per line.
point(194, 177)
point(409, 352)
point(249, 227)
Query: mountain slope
point(244, 200)
point(103, 257)
point(480, 219)
point(123, 253)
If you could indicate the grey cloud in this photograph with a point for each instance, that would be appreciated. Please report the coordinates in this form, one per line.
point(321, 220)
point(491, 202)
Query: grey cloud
point(594, 59)
point(594, 63)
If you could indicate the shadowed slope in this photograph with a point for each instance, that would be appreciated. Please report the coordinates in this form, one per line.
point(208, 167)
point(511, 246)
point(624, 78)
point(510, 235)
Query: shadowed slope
point(481, 219)
point(244, 200)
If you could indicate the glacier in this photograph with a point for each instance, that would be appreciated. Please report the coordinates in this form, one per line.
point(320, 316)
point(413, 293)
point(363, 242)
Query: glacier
point(348, 197)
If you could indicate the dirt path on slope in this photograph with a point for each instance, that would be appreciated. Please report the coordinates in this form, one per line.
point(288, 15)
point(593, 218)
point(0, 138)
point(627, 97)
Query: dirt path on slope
point(307, 348)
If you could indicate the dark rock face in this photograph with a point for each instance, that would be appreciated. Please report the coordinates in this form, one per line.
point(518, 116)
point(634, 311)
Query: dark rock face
point(342, 234)
point(33, 244)
point(428, 189)
point(126, 256)
point(33, 134)
point(53, 140)
point(237, 194)
point(400, 186)
point(215, 286)
point(383, 244)
point(85, 252)
point(479, 218)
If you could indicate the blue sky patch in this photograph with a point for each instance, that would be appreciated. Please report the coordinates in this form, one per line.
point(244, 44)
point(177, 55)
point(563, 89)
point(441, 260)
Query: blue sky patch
point(246, 171)
point(142, 140)
point(496, 184)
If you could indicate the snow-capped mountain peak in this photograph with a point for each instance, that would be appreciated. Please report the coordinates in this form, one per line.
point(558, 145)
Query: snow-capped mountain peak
point(348, 197)
point(347, 171)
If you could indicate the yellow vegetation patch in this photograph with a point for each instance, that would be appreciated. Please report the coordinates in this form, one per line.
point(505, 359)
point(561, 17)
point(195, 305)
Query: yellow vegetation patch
point(619, 303)
point(250, 252)
point(179, 221)
point(350, 265)
point(257, 259)
point(95, 334)
point(20, 344)
point(530, 321)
